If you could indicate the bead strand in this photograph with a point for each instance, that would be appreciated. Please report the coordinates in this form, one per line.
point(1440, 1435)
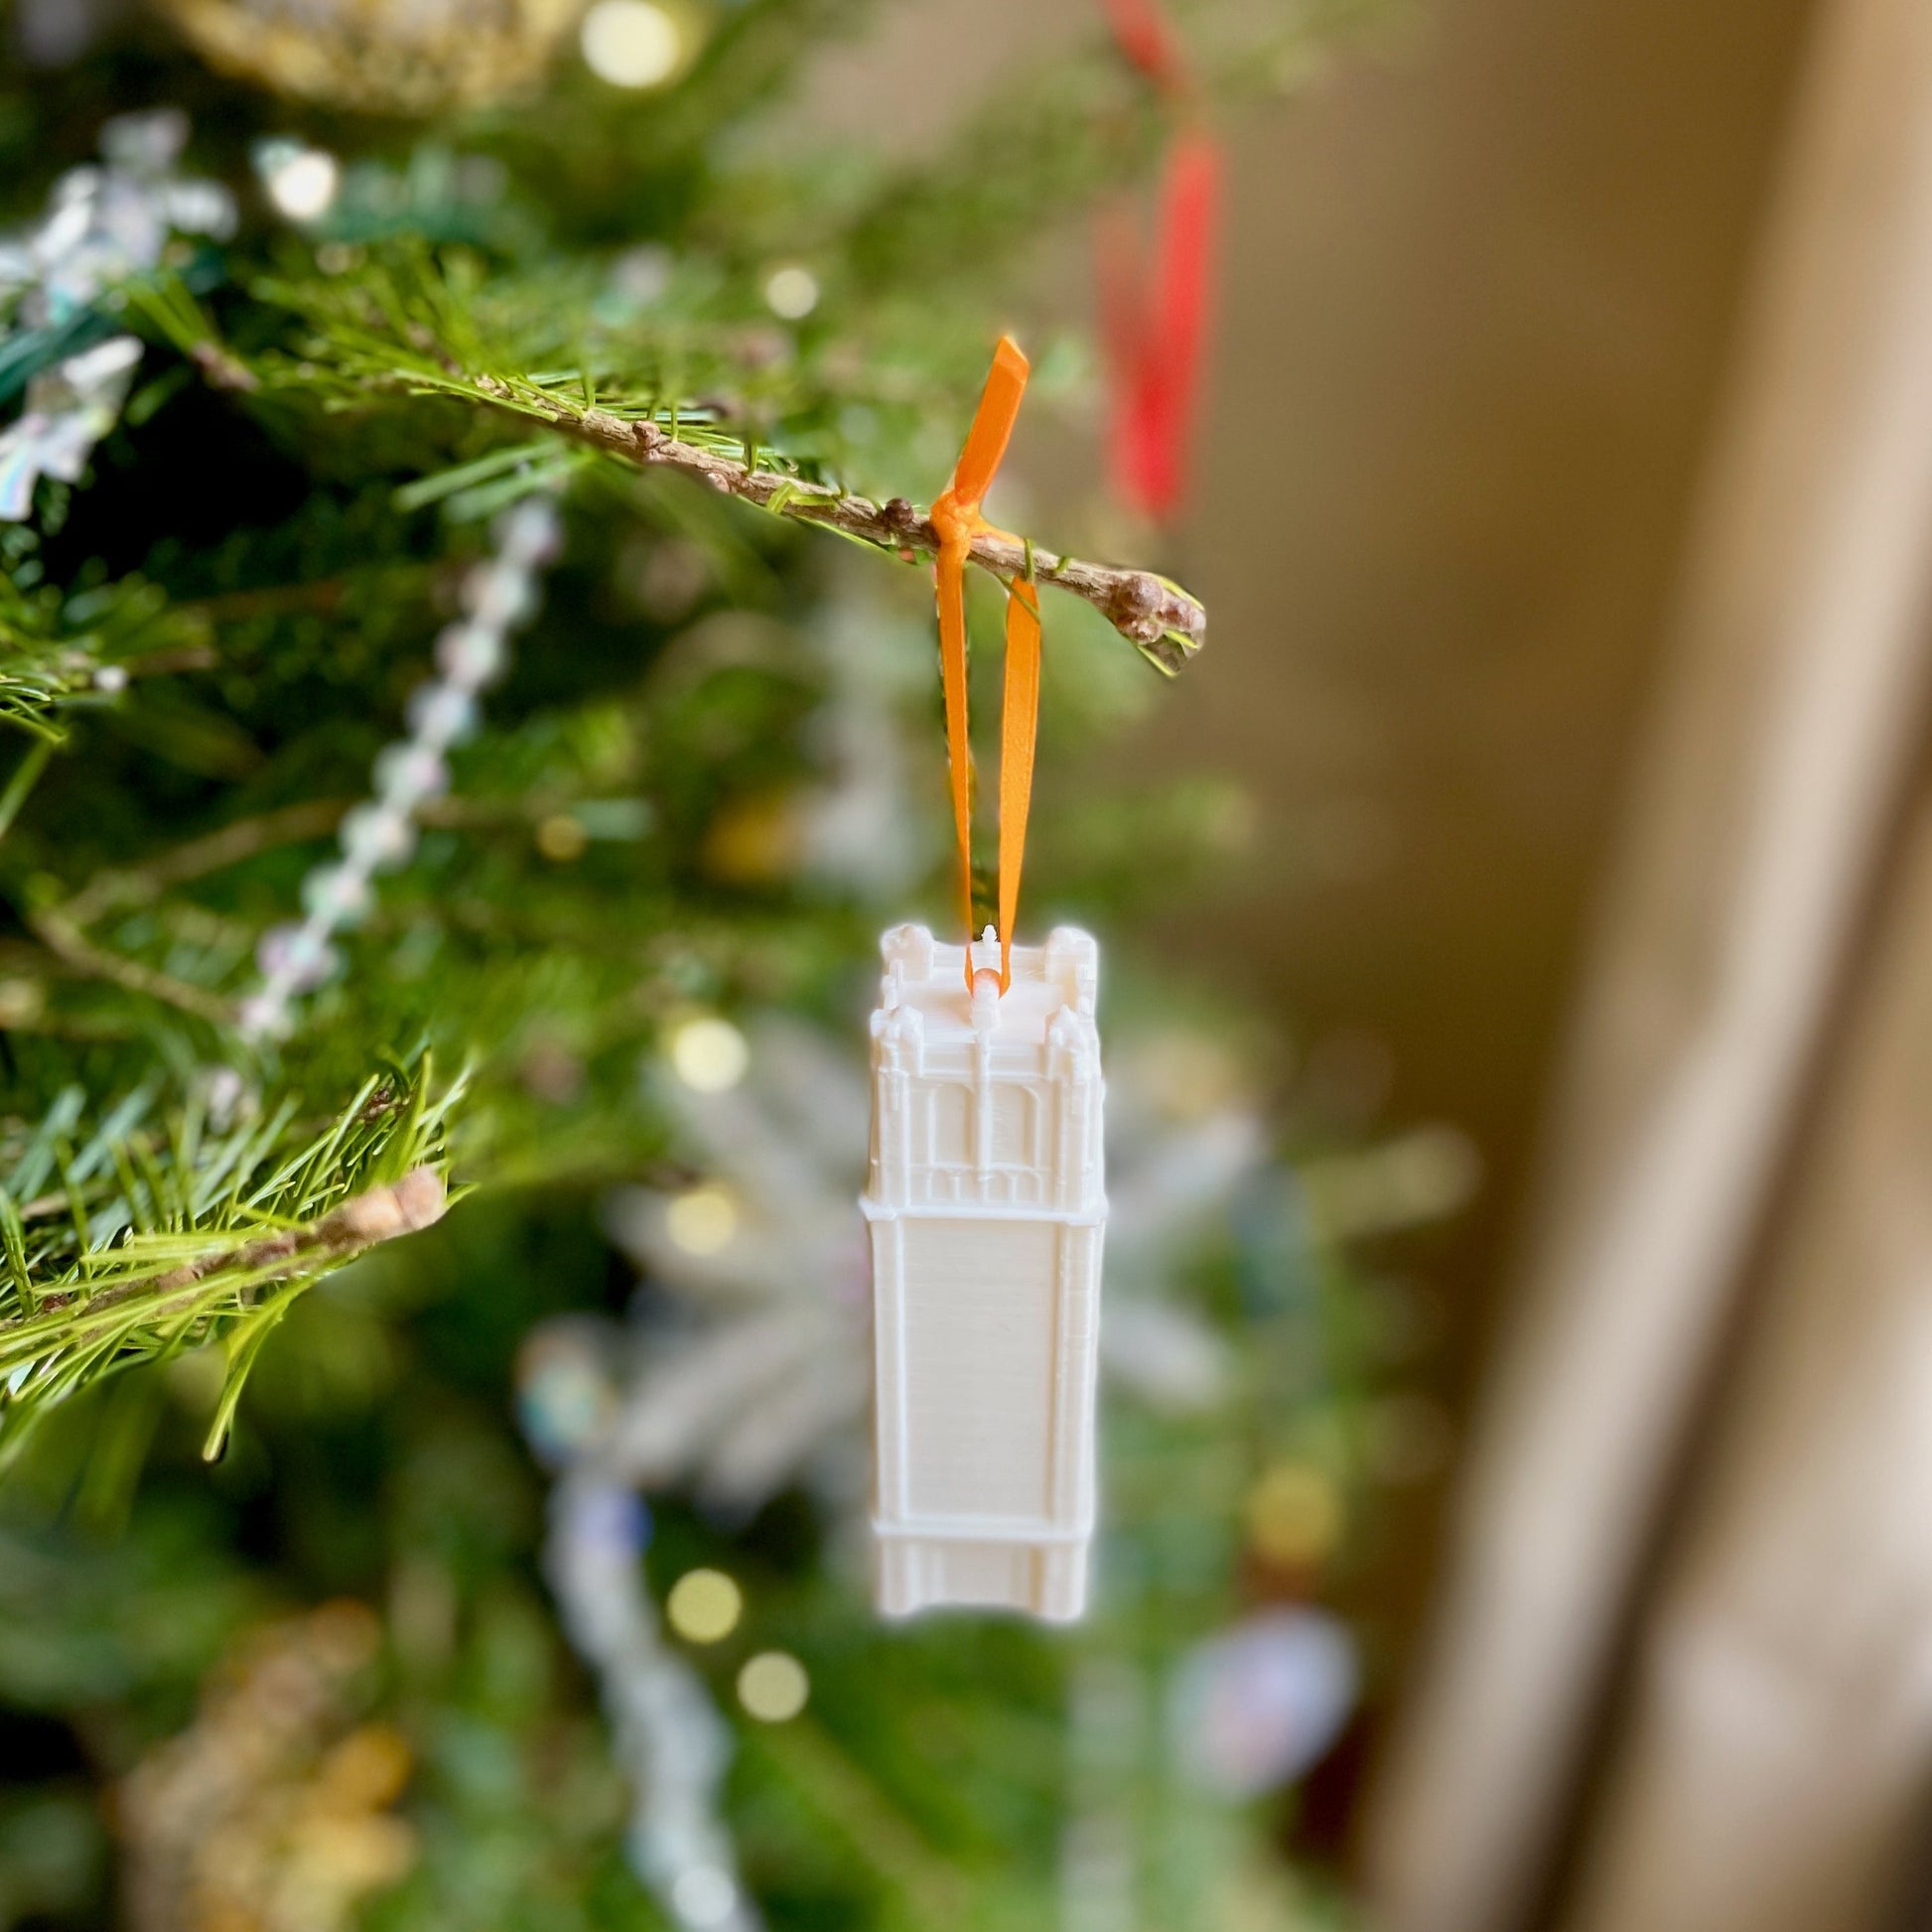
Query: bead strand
point(499, 597)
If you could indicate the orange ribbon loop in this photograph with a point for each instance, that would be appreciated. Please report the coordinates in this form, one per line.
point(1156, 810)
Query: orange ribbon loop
point(956, 522)
point(1018, 726)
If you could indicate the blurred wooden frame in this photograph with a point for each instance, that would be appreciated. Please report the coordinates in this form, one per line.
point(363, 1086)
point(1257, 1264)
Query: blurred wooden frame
point(1682, 1676)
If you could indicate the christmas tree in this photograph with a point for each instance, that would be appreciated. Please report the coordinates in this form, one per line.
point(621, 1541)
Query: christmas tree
point(453, 784)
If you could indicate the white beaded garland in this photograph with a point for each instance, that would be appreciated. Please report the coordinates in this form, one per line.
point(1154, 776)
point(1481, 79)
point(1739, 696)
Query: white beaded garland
point(442, 713)
point(377, 838)
point(379, 835)
point(300, 954)
point(470, 657)
point(339, 894)
point(498, 595)
point(408, 773)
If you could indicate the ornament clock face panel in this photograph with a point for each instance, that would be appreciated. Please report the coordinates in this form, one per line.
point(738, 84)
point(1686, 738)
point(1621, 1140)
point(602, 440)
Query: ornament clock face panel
point(979, 1333)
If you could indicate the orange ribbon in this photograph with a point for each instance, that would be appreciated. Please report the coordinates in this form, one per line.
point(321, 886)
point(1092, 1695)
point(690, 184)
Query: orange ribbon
point(956, 522)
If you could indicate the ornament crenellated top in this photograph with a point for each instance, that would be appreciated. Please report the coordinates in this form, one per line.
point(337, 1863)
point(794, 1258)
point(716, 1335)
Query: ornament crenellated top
point(925, 984)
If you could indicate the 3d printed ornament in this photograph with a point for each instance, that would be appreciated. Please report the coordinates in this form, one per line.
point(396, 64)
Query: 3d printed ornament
point(986, 1204)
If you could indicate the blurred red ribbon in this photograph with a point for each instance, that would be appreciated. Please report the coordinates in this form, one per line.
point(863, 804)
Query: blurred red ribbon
point(1155, 315)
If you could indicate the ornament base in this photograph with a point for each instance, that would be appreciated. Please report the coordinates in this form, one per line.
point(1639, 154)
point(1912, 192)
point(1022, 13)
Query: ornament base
point(986, 1205)
point(1021, 1570)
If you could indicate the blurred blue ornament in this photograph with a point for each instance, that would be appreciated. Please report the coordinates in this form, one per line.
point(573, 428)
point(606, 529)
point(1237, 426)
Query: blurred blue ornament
point(666, 1734)
point(609, 1516)
point(564, 1392)
point(1253, 1709)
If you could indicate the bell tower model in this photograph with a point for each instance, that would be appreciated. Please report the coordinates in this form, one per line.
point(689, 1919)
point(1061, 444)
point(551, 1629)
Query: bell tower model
point(986, 1204)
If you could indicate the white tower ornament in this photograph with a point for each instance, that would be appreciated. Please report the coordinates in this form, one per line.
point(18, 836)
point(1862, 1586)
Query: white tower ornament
point(986, 1204)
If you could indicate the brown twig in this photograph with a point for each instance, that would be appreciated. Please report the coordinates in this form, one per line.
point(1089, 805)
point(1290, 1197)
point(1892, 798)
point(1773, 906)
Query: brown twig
point(363, 1221)
point(312, 819)
point(171, 663)
point(62, 928)
point(62, 937)
point(223, 371)
point(415, 1201)
point(1159, 617)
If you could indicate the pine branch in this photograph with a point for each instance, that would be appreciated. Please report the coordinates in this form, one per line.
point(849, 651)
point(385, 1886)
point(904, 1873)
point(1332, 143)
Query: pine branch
point(108, 1329)
point(404, 331)
point(55, 650)
point(154, 1241)
point(417, 1201)
point(1157, 617)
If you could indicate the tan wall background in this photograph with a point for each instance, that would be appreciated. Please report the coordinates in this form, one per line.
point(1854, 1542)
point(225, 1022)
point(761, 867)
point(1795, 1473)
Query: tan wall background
point(1482, 286)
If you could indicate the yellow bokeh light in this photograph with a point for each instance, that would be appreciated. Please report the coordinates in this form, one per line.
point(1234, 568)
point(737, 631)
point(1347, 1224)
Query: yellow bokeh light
point(632, 43)
point(704, 1605)
point(1293, 1514)
point(773, 1687)
point(709, 1055)
point(702, 1220)
point(561, 837)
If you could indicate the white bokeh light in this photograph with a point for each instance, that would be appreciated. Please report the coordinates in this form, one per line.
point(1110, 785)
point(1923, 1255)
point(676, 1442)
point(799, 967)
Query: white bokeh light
point(709, 1055)
point(703, 1221)
point(792, 292)
point(772, 1686)
point(632, 43)
point(303, 185)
